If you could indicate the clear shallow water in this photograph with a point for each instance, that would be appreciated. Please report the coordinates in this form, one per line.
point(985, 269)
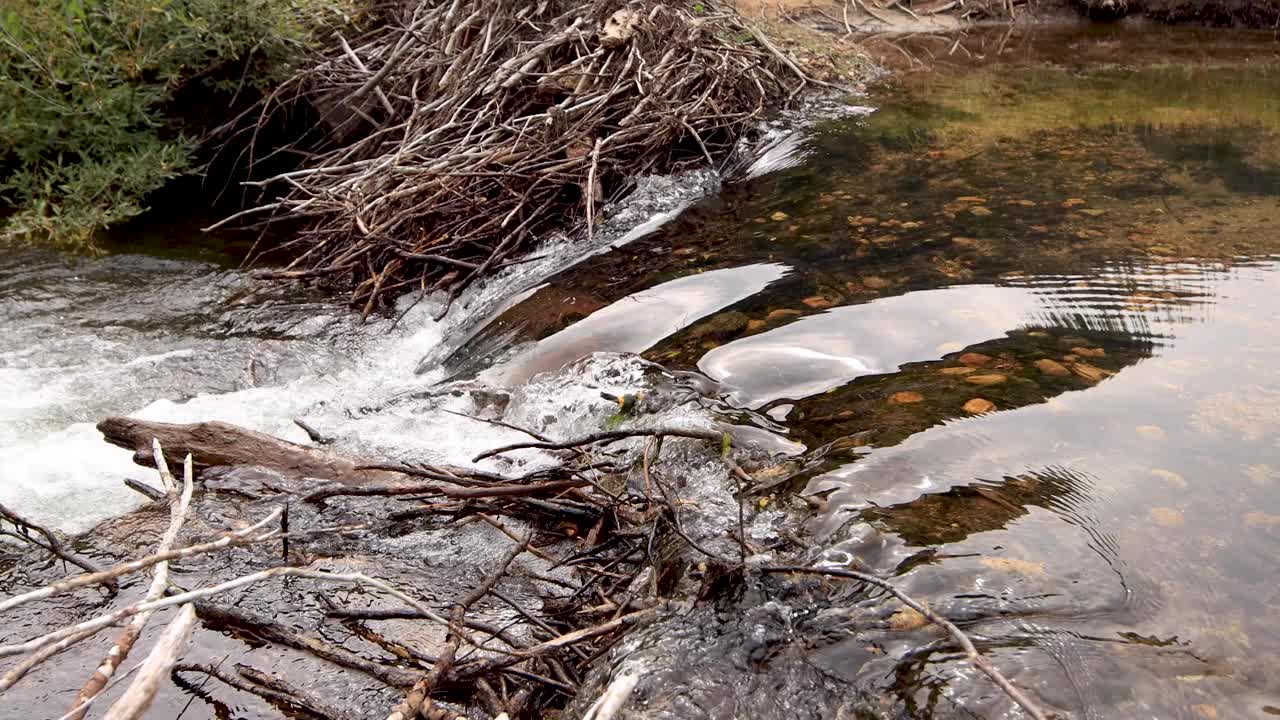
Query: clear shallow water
point(1091, 251)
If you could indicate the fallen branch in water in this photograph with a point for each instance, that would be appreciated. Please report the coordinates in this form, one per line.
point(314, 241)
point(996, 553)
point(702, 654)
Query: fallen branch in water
point(419, 696)
point(138, 698)
point(604, 437)
point(22, 531)
point(220, 444)
point(179, 504)
point(489, 491)
point(500, 652)
point(237, 619)
point(956, 633)
point(108, 619)
point(243, 536)
point(269, 688)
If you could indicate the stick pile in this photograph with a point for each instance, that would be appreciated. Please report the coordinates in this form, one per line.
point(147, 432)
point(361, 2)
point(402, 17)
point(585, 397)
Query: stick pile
point(460, 130)
point(597, 548)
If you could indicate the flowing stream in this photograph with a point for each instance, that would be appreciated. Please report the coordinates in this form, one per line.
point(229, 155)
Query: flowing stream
point(1011, 337)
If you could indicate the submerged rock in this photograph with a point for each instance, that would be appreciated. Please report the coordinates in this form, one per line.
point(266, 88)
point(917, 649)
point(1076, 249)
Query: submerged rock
point(1053, 368)
point(978, 406)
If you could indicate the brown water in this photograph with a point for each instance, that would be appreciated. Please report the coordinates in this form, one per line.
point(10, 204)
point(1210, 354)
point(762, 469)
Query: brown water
point(1023, 317)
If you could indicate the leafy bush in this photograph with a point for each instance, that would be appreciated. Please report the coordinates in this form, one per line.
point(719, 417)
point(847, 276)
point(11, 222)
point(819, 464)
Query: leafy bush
point(85, 86)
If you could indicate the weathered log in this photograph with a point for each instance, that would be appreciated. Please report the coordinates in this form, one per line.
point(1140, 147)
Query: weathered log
point(213, 444)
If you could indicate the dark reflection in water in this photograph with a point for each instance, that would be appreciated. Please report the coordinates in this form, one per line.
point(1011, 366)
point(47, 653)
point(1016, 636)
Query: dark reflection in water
point(1028, 336)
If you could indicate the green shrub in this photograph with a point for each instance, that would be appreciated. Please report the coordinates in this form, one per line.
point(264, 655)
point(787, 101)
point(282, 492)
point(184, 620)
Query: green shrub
point(85, 86)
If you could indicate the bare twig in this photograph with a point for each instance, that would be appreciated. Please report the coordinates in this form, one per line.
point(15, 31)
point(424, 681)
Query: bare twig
point(129, 611)
point(392, 489)
point(606, 436)
point(419, 694)
point(240, 537)
point(19, 671)
point(267, 687)
point(264, 629)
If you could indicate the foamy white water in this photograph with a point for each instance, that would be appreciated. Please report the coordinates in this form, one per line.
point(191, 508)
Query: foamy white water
point(181, 342)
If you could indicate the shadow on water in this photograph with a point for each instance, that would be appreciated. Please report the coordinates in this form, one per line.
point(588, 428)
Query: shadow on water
point(1020, 316)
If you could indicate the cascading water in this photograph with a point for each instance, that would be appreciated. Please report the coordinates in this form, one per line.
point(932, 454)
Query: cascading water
point(182, 341)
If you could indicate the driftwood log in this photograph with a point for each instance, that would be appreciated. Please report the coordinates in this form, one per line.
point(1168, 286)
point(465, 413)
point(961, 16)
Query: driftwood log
point(214, 444)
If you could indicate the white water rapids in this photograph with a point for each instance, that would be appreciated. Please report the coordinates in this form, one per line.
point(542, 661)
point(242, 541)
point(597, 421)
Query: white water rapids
point(179, 341)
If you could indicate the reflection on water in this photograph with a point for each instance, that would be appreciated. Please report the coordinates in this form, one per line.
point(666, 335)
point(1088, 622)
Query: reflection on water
point(637, 321)
point(825, 351)
point(1028, 336)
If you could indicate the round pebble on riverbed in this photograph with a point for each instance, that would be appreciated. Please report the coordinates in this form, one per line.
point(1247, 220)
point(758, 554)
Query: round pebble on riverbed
point(1052, 367)
point(974, 359)
point(979, 406)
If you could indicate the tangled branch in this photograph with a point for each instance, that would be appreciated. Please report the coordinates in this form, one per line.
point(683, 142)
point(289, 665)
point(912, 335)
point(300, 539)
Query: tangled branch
point(460, 131)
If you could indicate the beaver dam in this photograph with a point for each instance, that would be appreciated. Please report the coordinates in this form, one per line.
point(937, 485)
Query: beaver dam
point(961, 399)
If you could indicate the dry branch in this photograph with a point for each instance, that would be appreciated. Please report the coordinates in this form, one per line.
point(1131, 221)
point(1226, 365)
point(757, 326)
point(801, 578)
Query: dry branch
point(500, 120)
